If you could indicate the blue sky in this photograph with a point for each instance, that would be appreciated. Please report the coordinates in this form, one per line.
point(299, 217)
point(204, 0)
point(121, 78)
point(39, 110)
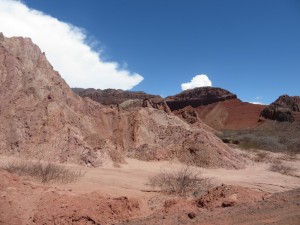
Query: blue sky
point(249, 47)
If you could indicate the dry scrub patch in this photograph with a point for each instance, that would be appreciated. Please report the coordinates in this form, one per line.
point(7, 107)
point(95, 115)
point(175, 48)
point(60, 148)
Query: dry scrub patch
point(262, 157)
point(185, 181)
point(283, 169)
point(44, 172)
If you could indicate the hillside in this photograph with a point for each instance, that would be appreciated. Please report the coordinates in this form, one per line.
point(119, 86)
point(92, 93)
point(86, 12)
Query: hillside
point(216, 107)
point(44, 119)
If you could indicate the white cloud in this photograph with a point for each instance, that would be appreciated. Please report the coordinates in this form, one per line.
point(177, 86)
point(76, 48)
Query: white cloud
point(201, 80)
point(65, 47)
point(257, 103)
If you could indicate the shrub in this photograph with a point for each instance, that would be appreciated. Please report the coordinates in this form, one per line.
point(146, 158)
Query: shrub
point(277, 139)
point(248, 143)
point(285, 170)
point(261, 157)
point(44, 172)
point(183, 182)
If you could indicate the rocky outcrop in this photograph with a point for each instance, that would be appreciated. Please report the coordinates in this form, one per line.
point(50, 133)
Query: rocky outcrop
point(229, 195)
point(198, 97)
point(41, 117)
point(145, 103)
point(283, 109)
point(161, 105)
point(188, 114)
point(115, 96)
point(124, 99)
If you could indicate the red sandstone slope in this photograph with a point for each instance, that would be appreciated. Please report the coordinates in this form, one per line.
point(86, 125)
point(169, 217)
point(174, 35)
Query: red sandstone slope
point(217, 107)
point(42, 118)
point(231, 115)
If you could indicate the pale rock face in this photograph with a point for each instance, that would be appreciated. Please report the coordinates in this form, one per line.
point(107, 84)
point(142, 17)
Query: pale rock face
point(42, 118)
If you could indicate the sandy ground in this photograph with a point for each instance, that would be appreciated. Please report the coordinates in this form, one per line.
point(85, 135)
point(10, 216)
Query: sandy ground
point(131, 180)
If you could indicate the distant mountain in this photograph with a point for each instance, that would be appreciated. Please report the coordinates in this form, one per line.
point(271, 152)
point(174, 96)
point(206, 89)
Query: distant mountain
point(114, 96)
point(217, 107)
point(198, 97)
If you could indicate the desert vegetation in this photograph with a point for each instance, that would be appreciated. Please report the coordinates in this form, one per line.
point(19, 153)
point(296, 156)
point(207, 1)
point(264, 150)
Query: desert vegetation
point(262, 156)
point(283, 169)
point(44, 172)
point(184, 182)
point(286, 142)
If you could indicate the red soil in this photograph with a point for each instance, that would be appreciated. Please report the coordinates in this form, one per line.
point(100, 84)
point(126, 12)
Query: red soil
point(24, 203)
point(230, 114)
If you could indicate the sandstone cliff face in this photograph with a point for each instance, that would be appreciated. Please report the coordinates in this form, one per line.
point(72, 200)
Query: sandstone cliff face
point(283, 109)
point(41, 117)
point(198, 97)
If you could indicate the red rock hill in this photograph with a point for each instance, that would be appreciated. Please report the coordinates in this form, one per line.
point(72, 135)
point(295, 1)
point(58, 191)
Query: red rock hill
point(41, 117)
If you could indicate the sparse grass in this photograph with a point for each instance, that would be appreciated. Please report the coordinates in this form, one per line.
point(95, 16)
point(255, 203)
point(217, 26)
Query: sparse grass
point(44, 172)
point(183, 182)
point(283, 169)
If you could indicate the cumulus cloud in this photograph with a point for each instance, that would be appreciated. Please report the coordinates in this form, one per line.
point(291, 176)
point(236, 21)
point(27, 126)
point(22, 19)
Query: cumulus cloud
point(201, 80)
point(66, 48)
point(257, 103)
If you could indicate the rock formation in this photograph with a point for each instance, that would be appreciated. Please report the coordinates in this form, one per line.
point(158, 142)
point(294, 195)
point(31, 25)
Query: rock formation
point(283, 109)
point(41, 117)
point(198, 97)
point(115, 96)
point(216, 107)
point(124, 99)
